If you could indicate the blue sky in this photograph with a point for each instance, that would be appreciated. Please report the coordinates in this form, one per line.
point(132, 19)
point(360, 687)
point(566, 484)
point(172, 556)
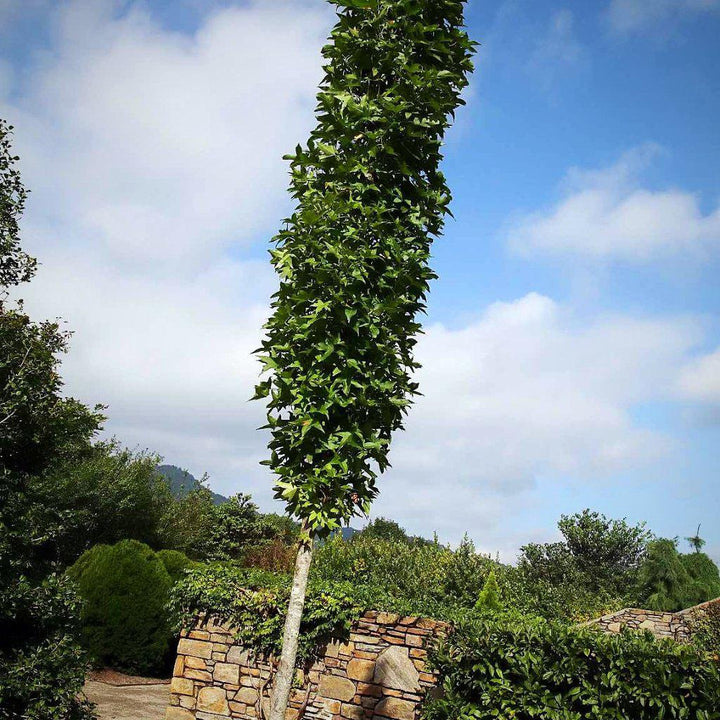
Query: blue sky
point(572, 353)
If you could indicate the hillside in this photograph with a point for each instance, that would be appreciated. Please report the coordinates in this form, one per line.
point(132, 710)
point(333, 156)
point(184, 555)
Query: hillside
point(181, 482)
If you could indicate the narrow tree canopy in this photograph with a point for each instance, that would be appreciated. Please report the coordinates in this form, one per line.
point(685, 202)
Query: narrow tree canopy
point(353, 257)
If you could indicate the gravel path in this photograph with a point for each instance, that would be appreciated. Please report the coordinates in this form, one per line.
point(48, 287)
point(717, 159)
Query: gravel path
point(128, 702)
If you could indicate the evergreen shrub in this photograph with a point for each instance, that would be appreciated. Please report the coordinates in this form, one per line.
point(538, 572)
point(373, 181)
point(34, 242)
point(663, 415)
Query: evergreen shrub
point(125, 588)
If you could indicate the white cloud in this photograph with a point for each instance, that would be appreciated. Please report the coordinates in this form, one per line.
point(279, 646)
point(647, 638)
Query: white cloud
point(606, 214)
point(164, 147)
point(700, 380)
point(527, 391)
point(627, 16)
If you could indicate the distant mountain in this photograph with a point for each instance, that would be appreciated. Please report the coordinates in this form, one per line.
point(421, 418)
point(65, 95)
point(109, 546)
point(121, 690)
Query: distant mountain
point(181, 482)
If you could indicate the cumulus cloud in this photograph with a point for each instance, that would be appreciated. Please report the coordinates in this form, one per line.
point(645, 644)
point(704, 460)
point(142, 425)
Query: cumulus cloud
point(629, 16)
point(524, 392)
point(606, 214)
point(700, 380)
point(165, 147)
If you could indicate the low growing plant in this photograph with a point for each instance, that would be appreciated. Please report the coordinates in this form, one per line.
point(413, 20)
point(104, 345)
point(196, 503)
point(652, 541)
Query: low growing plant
point(513, 666)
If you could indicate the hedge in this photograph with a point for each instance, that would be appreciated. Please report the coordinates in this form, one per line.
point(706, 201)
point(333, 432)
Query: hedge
point(512, 666)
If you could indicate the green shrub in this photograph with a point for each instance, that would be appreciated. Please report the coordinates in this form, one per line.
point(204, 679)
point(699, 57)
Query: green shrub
point(512, 666)
point(489, 598)
point(705, 628)
point(125, 588)
point(428, 579)
point(176, 563)
point(42, 667)
point(256, 602)
point(705, 578)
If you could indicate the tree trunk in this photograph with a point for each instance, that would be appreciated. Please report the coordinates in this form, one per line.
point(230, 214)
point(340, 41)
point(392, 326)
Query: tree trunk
point(286, 668)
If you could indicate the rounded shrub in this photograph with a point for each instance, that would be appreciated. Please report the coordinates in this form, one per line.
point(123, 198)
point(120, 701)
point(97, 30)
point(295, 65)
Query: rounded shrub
point(125, 588)
point(176, 563)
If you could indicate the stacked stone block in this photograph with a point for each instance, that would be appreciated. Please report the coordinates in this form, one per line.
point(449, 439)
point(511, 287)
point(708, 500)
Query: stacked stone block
point(378, 672)
point(676, 626)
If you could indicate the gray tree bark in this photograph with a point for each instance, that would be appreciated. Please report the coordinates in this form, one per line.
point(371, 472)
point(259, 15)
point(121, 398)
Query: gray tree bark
point(286, 668)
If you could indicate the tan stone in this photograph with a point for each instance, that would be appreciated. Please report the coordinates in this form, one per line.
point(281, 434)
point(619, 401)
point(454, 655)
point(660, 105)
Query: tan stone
point(352, 712)
point(193, 662)
point(212, 699)
point(198, 648)
point(238, 655)
point(394, 669)
point(395, 708)
point(361, 670)
point(246, 695)
point(226, 673)
point(337, 688)
point(176, 713)
point(384, 618)
point(199, 634)
point(187, 702)
point(179, 666)
point(647, 625)
point(202, 675)
point(181, 686)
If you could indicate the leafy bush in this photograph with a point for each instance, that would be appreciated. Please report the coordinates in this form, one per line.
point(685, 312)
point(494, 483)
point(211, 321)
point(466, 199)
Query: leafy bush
point(112, 494)
point(256, 602)
point(176, 564)
point(489, 598)
point(42, 668)
point(705, 629)
point(672, 581)
point(428, 579)
point(705, 578)
point(511, 666)
point(125, 588)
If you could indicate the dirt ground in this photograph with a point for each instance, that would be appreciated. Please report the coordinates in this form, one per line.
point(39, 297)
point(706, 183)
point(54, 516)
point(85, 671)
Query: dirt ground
point(124, 697)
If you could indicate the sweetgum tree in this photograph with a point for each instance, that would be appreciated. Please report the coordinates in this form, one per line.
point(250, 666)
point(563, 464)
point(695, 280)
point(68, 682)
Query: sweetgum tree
point(353, 265)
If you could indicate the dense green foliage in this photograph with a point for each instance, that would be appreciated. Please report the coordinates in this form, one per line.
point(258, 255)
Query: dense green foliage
point(125, 589)
point(353, 257)
point(512, 666)
point(109, 495)
point(596, 555)
point(41, 665)
point(256, 602)
point(489, 598)
point(414, 578)
point(705, 628)
point(176, 563)
point(669, 580)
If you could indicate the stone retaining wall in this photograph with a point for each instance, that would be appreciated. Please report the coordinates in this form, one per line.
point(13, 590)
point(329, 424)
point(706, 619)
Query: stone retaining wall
point(676, 626)
point(378, 673)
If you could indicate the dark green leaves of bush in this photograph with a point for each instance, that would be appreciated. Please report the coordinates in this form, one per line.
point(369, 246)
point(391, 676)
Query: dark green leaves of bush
point(510, 666)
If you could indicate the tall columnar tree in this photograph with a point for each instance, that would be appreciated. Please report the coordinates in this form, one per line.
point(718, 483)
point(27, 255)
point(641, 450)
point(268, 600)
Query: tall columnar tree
point(353, 265)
